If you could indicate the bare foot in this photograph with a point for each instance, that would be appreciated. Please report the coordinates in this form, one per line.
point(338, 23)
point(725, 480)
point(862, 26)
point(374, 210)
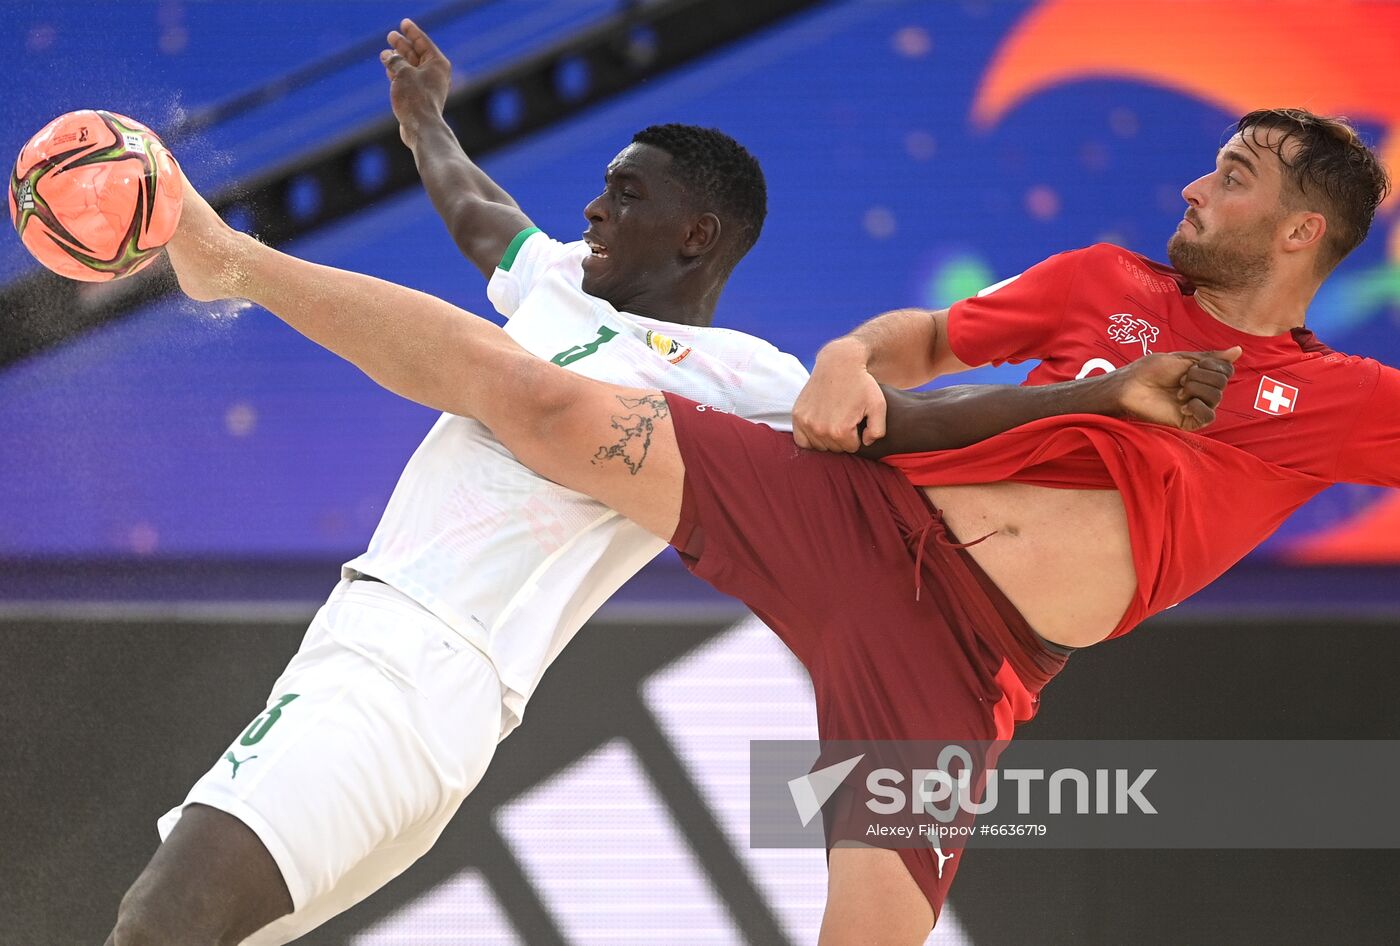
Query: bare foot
point(207, 253)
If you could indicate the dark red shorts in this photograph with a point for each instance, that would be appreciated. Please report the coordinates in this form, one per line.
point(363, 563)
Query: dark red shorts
point(903, 635)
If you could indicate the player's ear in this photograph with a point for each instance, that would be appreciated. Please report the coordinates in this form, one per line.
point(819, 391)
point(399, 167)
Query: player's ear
point(702, 236)
point(1305, 230)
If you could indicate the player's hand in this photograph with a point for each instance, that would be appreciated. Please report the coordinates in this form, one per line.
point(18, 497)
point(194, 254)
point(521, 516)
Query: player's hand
point(420, 77)
point(839, 396)
point(1179, 389)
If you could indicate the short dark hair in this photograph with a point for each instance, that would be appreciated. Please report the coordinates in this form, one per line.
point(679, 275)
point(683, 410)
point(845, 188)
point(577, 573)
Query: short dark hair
point(720, 174)
point(1332, 171)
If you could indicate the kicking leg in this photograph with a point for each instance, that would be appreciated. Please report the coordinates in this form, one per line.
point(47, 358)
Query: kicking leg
point(613, 443)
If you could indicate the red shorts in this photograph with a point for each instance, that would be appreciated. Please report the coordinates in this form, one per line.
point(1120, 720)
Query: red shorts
point(905, 638)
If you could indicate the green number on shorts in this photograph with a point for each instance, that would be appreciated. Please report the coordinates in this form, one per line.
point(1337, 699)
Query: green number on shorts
point(259, 727)
point(571, 355)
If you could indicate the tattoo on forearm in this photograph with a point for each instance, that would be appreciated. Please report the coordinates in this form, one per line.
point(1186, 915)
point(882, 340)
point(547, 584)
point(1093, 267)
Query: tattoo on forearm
point(636, 430)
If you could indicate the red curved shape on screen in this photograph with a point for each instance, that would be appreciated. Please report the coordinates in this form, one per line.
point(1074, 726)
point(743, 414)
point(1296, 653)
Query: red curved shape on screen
point(1335, 57)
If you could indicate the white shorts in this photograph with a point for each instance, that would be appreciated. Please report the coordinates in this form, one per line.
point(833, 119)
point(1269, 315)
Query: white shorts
point(384, 721)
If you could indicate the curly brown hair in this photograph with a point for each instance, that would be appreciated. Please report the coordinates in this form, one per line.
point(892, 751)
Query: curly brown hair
point(1331, 171)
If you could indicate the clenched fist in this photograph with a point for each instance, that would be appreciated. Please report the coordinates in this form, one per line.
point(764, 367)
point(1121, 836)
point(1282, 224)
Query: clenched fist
point(1178, 389)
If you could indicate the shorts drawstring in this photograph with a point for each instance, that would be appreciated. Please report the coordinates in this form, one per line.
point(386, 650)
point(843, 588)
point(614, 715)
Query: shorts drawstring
point(920, 539)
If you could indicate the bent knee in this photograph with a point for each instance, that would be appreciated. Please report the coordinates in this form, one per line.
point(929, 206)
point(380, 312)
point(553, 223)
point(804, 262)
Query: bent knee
point(553, 392)
point(531, 398)
point(546, 405)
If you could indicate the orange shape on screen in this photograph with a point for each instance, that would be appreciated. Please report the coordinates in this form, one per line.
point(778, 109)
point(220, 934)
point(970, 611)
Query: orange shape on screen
point(1334, 57)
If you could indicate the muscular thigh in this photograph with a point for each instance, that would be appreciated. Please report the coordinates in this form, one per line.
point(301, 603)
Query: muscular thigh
point(872, 901)
point(613, 443)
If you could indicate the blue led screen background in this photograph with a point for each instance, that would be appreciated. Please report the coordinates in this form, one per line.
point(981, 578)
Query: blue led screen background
point(916, 152)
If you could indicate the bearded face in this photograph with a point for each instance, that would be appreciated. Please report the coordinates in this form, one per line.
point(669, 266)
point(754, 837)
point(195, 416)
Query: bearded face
point(1224, 255)
point(1235, 215)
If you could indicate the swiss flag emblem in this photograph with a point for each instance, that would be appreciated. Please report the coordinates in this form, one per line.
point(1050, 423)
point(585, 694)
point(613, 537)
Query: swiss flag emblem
point(1275, 397)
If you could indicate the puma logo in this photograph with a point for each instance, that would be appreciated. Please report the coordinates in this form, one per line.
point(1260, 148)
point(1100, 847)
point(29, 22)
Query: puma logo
point(938, 853)
point(236, 762)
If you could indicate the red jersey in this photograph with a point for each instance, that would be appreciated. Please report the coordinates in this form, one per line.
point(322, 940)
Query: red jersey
point(1296, 416)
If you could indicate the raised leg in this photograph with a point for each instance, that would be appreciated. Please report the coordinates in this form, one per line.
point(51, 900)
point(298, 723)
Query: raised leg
point(613, 443)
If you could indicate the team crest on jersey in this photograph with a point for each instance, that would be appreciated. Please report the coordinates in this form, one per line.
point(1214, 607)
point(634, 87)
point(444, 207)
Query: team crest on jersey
point(668, 348)
point(1275, 397)
point(1127, 329)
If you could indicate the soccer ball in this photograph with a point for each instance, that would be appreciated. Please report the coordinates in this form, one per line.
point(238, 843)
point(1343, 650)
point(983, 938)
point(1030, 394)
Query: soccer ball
point(95, 195)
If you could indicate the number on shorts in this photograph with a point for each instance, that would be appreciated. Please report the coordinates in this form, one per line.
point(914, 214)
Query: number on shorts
point(259, 727)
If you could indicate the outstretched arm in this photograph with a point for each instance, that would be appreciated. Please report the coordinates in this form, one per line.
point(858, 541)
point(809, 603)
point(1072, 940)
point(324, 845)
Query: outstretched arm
point(903, 348)
point(853, 400)
point(1177, 389)
point(481, 217)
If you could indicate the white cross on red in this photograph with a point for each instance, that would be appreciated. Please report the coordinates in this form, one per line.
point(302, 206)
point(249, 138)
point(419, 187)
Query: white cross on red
point(1275, 397)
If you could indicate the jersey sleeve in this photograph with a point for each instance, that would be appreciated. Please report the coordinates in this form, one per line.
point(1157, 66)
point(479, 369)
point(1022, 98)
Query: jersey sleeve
point(772, 381)
point(530, 255)
point(1016, 319)
point(1371, 455)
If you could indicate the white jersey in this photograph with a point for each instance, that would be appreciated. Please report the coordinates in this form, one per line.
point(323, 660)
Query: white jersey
point(512, 562)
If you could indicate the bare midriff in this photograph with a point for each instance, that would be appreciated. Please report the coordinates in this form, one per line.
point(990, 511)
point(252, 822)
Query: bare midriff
point(1061, 556)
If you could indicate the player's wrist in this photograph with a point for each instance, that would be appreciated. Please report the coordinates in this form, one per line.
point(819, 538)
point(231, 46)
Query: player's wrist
point(1108, 394)
point(420, 126)
point(849, 352)
point(424, 125)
